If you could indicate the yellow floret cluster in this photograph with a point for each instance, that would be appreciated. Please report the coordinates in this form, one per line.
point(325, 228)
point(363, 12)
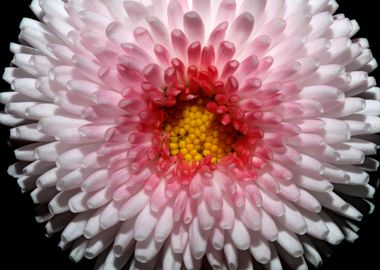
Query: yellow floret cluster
point(196, 133)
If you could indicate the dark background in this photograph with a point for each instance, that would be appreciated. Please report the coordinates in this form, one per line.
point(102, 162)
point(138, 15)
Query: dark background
point(23, 241)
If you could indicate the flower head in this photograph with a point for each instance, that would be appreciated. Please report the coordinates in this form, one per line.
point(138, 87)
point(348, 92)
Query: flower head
point(179, 132)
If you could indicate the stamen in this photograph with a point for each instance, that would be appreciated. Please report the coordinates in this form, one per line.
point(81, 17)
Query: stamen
point(196, 133)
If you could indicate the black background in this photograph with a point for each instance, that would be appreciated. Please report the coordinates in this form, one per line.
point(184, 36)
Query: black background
point(22, 240)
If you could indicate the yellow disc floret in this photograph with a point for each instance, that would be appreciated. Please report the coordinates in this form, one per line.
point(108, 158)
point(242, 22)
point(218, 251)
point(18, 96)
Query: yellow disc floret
point(196, 133)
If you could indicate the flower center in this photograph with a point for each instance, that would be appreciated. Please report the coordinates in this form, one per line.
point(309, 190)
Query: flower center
point(196, 133)
point(190, 120)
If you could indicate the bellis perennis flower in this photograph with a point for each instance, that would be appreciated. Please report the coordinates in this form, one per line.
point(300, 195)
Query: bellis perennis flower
point(176, 134)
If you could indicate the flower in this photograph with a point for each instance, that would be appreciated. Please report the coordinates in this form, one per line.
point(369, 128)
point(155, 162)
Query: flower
point(181, 132)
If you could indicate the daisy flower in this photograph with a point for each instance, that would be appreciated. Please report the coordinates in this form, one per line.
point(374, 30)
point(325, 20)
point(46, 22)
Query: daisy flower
point(177, 134)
